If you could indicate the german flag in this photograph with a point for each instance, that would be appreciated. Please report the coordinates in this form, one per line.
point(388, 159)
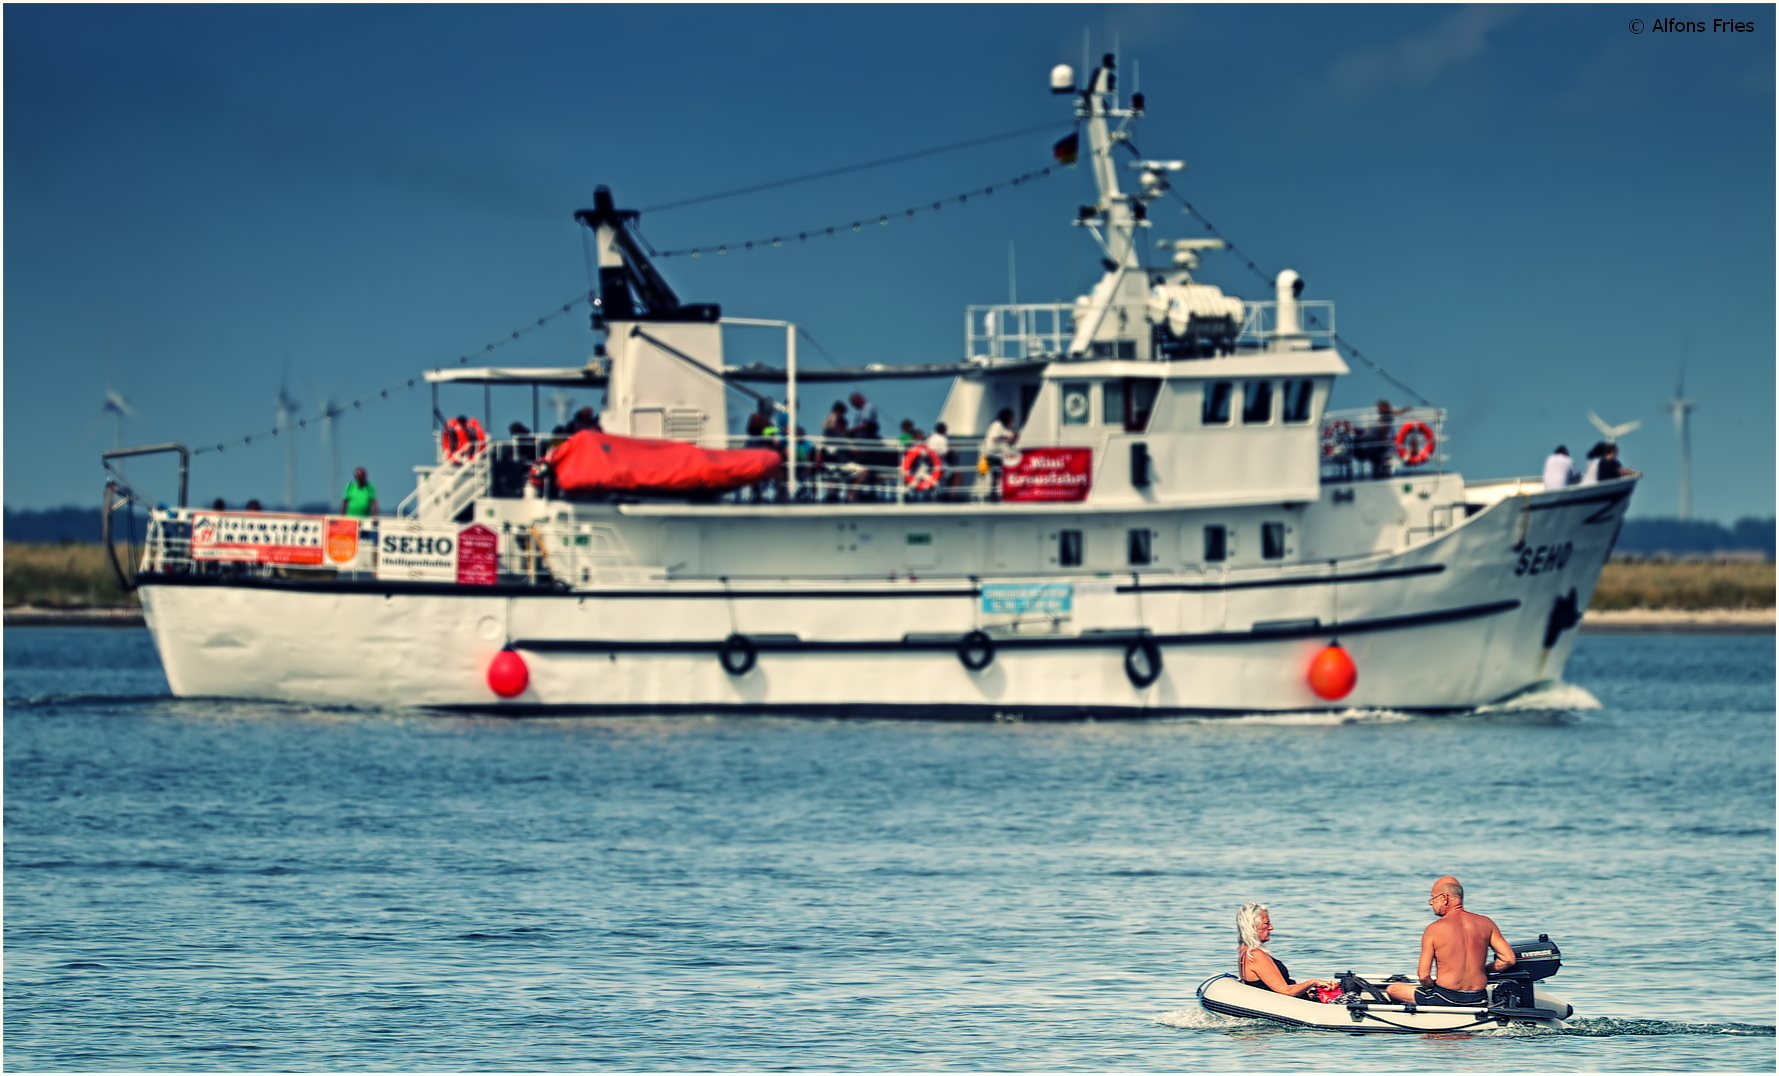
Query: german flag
point(1068, 149)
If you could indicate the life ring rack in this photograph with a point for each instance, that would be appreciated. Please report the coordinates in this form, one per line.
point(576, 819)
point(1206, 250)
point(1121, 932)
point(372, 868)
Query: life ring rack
point(1420, 453)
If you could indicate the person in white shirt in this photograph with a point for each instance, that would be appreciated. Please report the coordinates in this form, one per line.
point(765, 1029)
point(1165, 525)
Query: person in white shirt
point(939, 443)
point(1559, 469)
point(997, 444)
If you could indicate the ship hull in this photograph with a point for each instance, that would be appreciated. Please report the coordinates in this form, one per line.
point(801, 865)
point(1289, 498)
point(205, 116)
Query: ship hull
point(1469, 617)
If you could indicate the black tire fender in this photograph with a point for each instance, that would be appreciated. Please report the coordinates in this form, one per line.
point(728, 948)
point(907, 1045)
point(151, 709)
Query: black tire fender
point(976, 650)
point(1146, 673)
point(737, 654)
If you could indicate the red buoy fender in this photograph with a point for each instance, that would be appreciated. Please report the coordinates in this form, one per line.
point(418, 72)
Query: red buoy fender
point(507, 674)
point(1332, 673)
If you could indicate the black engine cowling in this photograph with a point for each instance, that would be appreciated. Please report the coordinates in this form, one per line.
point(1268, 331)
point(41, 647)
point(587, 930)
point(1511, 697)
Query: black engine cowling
point(1533, 960)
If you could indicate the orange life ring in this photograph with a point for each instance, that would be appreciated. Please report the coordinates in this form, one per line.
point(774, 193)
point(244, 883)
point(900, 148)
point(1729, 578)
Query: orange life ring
point(920, 483)
point(454, 440)
point(478, 439)
point(1414, 457)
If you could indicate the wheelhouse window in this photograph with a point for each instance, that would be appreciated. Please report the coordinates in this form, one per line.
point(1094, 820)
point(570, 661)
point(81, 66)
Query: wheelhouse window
point(1299, 394)
point(1113, 349)
point(1216, 403)
point(1068, 549)
point(1140, 546)
point(1129, 402)
point(1077, 403)
point(1216, 544)
point(1272, 541)
point(1257, 402)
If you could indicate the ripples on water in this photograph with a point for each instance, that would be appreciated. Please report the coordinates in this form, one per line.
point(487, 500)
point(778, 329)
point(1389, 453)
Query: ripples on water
point(213, 885)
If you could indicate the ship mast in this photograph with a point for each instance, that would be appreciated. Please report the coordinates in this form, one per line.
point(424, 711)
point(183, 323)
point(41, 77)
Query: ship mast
point(1115, 218)
point(1098, 103)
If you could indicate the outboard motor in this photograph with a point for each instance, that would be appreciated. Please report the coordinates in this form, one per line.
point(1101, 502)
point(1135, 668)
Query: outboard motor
point(1533, 961)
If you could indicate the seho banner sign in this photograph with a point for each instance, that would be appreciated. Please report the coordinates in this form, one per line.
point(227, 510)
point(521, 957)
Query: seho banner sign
point(438, 552)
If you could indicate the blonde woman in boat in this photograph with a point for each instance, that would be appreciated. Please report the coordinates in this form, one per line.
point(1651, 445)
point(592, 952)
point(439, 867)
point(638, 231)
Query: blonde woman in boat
point(1256, 966)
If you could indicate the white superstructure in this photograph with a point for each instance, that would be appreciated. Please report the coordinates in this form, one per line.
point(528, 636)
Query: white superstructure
point(1182, 526)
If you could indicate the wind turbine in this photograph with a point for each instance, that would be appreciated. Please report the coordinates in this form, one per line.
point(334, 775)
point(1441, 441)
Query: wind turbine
point(561, 401)
point(1680, 407)
point(288, 406)
point(117, 407)
point(330, 446)
point(1610, 432)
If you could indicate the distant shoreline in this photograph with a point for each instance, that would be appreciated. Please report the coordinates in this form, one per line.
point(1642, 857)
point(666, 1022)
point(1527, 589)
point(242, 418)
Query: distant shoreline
point(1688, 621)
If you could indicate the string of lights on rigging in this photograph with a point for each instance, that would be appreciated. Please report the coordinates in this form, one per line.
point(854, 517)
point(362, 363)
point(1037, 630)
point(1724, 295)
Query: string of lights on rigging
point(859, 225)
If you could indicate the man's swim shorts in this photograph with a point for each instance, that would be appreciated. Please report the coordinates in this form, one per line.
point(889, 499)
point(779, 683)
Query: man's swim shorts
point(1445, 995)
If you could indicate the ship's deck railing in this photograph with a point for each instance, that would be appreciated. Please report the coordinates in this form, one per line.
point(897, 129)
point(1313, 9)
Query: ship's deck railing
point(332, 547)
point(1018, 330)
point(1014, 331)
point(1361, 444)
point(828, 470)
point(839, 469)
point(1315, 318)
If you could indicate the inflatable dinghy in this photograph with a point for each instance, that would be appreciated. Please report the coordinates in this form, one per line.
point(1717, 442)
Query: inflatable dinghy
point(1364, 1008)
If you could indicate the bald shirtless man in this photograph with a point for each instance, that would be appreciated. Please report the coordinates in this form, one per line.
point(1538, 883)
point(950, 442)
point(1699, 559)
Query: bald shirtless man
point(1458, 942)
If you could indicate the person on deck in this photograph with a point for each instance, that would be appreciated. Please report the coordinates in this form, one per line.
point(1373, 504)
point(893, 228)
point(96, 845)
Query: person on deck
point(939, 442)
point(1375, 443)
point(584, 419)
point(1592, 474)
point(1455, 965)
point(1256, 966)
point(759, 420)
point(360, 498)
point(1611, 467)
point(997, 443)
point(1559, 470)
point(866, 425)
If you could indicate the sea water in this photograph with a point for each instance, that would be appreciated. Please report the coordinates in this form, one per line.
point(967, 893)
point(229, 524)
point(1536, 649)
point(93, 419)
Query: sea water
point(247, 886)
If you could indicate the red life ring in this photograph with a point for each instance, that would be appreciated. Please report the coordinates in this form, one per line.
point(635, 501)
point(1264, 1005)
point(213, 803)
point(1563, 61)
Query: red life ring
point(920, 483)
point(1414, 457)
point(478, 439)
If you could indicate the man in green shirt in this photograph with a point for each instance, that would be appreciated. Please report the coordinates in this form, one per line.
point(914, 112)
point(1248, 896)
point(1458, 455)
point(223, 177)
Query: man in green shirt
point(361, 496)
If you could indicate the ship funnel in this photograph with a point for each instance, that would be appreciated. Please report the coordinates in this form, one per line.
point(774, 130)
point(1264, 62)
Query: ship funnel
point(1288, 286)
point(1062, 79)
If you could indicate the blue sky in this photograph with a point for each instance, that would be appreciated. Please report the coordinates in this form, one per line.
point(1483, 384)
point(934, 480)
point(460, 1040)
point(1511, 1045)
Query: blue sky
point(1522, 212)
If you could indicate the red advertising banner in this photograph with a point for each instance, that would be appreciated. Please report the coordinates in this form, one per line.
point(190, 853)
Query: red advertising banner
point(258, 537)
point(1048, 474)
point(478, 556)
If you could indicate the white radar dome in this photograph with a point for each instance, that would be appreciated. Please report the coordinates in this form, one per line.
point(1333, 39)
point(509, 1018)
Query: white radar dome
point(1062, 79)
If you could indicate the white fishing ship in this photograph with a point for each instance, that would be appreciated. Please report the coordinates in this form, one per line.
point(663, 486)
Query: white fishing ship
point(1181, 527)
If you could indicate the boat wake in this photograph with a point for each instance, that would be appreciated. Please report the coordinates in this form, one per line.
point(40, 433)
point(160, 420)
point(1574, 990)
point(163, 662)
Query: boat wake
point(1547, 696)
point(1587, 1027)
point(82, 699)
point(1606, 1026)
point(1310, 719)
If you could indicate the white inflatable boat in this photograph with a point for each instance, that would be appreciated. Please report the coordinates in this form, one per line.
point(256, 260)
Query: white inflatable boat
point(1364, 1008)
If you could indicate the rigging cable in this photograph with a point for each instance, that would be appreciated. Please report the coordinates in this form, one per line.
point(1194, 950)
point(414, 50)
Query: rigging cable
point(916, 155)
point(410, 383)
point(858, 225)
point(1193, 210)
